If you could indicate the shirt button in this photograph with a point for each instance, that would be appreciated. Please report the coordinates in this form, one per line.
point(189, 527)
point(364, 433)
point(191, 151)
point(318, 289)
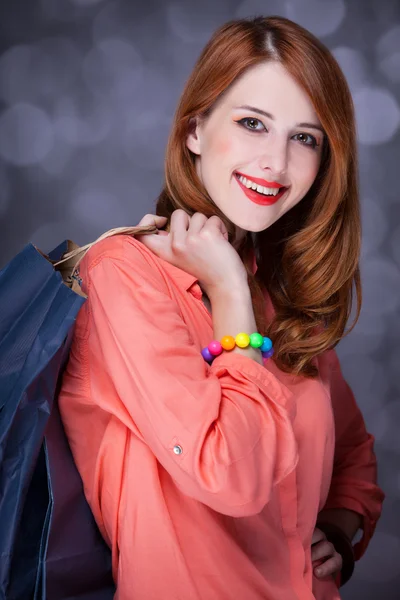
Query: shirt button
point(178, 450)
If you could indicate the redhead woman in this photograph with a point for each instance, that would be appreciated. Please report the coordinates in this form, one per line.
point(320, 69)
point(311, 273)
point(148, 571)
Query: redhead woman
point(221, 450)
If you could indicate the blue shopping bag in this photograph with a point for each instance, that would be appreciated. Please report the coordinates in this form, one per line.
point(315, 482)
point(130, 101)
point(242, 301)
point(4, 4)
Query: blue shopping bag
point(50, 546)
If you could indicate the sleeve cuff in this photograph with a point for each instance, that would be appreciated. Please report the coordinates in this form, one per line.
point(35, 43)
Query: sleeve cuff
point(260, 375)
point(368, 524)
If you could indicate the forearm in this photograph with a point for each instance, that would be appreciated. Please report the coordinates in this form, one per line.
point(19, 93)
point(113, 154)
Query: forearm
point(348, 520)
point(232, 313)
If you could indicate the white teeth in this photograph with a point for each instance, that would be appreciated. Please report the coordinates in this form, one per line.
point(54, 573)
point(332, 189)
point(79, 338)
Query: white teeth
point(261, 189)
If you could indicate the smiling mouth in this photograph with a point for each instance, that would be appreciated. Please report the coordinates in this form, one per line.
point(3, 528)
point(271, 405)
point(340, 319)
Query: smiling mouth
point(259, 196)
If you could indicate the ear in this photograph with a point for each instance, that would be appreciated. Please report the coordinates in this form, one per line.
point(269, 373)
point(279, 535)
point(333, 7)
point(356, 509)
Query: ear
point(193, 136)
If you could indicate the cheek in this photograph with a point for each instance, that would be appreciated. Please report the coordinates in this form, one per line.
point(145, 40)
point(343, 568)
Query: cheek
point(228, 151)
point(222, 146)
point(314, 171)
point(305, 169)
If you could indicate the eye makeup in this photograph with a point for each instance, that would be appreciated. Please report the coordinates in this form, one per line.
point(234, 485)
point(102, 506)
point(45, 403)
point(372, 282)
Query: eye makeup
point(242, 122)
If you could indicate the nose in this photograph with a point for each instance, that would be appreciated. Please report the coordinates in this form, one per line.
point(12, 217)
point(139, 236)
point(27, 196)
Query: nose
point(275, 157)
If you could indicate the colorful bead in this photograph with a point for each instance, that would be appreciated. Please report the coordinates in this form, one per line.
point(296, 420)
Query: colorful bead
point(228, 342)
point(242, 340)
point(256, 340)
point(268, 354)
point(206, 354)
point(266, 345)
point(215, 348)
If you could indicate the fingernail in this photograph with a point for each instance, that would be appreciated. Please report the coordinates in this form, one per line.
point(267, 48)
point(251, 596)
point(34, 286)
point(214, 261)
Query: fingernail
point(318, 571)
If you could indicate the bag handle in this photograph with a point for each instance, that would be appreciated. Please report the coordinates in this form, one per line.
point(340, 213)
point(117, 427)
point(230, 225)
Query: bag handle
point(71, 259)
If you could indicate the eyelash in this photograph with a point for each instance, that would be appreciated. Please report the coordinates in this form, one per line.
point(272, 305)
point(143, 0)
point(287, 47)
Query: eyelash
point(313, 145)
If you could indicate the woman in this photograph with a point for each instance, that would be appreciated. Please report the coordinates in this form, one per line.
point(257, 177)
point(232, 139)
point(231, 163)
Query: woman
point(224, 477)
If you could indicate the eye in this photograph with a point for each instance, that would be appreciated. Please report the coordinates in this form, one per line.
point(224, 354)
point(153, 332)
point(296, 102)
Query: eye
point(252, 124)
point(312, 142)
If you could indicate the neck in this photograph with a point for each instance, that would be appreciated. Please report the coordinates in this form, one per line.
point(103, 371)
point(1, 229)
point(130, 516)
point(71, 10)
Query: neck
point(240, 234)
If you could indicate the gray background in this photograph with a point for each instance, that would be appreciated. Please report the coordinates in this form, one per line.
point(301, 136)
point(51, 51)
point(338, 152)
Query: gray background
point(87, 93)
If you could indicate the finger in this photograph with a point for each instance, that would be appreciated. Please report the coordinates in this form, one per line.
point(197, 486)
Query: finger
point(180, 222)
point(197, 222)
point(322, 549)
point(152, 241)
point(157, 243)
point(216, 226)
point(318, 535)
point(153, 220)
point(330, 567)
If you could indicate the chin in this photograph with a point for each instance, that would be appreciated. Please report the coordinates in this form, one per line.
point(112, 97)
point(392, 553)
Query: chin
point(252, 227)
point(257, 229)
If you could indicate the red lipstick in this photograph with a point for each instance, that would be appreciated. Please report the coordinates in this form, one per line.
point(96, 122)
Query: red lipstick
point(258, 198)
point(271, 184)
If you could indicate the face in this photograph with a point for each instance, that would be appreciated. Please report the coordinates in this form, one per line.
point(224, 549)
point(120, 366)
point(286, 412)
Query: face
point(282, 146)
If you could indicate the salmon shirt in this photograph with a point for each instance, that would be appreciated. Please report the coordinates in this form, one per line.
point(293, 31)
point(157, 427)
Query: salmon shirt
point(205, 481)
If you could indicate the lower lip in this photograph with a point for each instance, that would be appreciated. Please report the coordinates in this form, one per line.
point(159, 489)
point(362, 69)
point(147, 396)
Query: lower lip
point(259, 198)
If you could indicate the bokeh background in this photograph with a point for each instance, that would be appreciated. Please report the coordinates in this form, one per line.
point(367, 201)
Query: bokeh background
point(88, 89)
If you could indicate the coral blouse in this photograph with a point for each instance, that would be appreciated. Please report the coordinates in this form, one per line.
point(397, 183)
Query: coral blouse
point(205, 481)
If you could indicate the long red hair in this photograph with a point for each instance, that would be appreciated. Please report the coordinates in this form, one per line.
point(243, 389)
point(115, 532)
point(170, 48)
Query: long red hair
point(308, 260)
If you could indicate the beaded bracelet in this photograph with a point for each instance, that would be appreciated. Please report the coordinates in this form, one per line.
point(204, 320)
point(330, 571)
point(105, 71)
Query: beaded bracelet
point(242, 340)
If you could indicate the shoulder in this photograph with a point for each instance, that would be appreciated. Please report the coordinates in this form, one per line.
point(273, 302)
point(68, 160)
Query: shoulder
point(126, 254)
point(120, 248)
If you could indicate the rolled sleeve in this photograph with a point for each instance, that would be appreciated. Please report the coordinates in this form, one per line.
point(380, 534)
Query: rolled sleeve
point(224, 433)
point(354, 481)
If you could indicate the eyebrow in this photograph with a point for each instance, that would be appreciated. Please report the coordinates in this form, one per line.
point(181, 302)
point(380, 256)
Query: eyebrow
point(269, 116)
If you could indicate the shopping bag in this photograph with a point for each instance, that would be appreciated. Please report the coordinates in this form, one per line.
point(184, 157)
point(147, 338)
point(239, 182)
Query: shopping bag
point(50, 546)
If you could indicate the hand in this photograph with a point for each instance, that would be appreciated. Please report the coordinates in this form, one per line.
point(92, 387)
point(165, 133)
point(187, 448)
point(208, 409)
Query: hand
point(198, 245)
point(326, 561)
